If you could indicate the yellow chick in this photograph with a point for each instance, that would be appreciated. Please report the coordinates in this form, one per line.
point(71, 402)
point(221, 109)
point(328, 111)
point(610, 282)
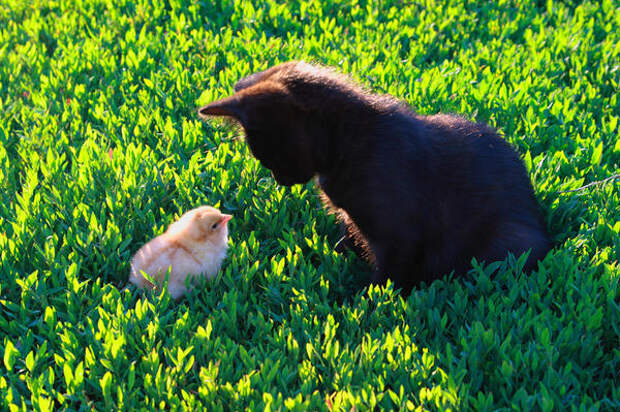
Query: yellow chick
point(195, 245)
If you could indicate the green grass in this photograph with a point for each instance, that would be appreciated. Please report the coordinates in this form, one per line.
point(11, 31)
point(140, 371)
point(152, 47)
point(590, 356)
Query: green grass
point(101, 148)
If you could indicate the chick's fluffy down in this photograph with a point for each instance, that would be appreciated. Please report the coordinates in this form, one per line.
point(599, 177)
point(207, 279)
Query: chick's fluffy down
point(195, 245)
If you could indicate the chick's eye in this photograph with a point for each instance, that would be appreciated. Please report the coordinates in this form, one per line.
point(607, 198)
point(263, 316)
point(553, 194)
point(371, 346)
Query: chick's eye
point(214, 226)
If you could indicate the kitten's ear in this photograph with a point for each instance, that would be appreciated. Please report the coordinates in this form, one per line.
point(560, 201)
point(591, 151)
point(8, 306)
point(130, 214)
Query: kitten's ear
point(229, 106)
point(263, 96)
point(249, 81)
point(265, 75)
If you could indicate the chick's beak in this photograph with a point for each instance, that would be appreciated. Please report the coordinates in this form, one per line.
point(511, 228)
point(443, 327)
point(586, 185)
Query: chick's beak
point(225, 218)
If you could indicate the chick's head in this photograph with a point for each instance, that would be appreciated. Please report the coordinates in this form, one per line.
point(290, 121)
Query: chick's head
point(211, 225)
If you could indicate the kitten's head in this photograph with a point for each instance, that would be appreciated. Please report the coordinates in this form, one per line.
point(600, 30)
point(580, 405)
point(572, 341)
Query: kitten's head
point(286, 112)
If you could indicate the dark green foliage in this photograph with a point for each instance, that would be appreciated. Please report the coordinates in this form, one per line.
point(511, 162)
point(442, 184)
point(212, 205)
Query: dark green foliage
point(101, 148)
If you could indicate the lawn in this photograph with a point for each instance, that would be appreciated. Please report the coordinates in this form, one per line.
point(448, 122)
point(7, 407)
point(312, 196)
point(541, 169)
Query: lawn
point(101, 148)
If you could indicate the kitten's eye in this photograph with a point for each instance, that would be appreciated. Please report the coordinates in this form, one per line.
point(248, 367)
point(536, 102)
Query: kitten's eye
point(214, 226)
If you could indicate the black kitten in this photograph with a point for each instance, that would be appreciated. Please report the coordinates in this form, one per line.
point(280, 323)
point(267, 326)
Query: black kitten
point(419, 195)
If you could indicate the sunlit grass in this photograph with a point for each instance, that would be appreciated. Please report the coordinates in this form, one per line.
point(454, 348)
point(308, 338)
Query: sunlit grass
point(101, 148)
